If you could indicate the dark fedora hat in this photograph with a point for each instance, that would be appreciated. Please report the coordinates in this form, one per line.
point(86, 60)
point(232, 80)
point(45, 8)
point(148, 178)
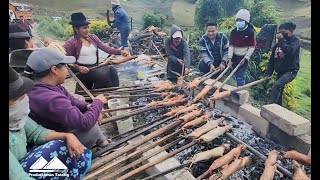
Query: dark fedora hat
point(78, 19)
point(18, 85)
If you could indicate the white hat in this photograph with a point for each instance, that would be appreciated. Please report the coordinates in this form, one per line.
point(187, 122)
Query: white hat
point(243, 14)
point(115, 2)
point(177, 34)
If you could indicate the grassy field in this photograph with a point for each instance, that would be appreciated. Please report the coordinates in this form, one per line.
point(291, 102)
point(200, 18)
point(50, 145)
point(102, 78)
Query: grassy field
point(303, 86)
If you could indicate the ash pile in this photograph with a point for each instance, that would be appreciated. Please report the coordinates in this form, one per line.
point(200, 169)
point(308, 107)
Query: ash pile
point(206, 142)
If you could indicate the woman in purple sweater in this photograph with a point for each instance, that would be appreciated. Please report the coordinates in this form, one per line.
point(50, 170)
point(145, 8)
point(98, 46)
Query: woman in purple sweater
point(54, 108)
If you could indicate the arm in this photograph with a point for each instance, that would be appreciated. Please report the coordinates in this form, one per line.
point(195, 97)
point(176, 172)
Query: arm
point(82, 105)
point(225, 48)
point(186, 54)
point(35, 133)
point(16, 172)
point(69, 47)
point(289, 49)
point(252, 45)
point(231, 45)
point(270, 66)
point(104, 47)
point(170, 54)
point(203, 51)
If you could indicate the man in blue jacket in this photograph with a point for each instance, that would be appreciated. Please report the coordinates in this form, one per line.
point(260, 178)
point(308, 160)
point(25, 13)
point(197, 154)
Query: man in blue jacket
point(121, 22)
point(213, 49)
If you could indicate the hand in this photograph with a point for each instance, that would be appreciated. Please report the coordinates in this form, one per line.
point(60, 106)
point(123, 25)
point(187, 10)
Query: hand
point(229, 62)
point(74, 145)
point(186, 71)
point(100, 119)
point(180, 61)
point(83, 69)
point(222, 66)
point(279, 36)
point(242, 61)
point(102, 98)
point(212, 68)
point(124, 53)
point(88, 106)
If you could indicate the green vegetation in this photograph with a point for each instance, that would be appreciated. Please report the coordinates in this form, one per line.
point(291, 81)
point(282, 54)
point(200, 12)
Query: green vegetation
point(153, 18)
point(47, 27)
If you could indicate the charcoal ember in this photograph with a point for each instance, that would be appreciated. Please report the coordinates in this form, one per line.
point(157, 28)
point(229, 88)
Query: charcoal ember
point(199, 168)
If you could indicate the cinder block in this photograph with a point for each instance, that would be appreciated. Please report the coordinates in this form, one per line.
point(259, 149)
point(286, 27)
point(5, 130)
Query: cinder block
point(165, 165)
point(125, 124)
point(251, 115)
point(301, 143)
point(153, 79)
point(286, 120)
point(227, 106)
point(239, 97)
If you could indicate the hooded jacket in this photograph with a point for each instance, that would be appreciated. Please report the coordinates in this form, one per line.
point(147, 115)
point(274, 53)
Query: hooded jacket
point(121, 19)
point(206, 49)
point(54, 108)
point(285, 56)
point(176, 52)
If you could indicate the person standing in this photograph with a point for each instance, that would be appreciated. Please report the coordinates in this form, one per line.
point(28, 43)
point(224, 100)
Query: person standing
point(284, 60)
point(25, 23)
point(121, 22)
point(213, 49)
point(178, 53)
point(241, 45)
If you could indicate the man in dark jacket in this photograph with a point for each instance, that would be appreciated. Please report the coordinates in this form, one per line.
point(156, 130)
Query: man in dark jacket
point(284, 60)
point(121, 22)
point(213, 49)
point(178, 53)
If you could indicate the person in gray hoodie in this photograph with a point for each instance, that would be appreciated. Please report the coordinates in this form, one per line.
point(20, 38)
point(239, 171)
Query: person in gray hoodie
point(178, 53)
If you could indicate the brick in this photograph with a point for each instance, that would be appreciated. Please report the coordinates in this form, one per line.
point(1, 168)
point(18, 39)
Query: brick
point(251, 115)
point(165, 165)
point(301, 143)
point(227, 106)
point(125, 124)
point(286, 120)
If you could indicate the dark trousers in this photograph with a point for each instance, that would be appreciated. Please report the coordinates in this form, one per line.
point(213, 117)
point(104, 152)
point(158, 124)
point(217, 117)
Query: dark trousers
point(124, 33)
point(103, 77)
point(240, 74)
point(204, 68)
point(278, 86)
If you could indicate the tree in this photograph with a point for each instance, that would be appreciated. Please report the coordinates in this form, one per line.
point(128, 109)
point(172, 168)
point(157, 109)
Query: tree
point(261, 13)
point(215, 10)
point(153, 18)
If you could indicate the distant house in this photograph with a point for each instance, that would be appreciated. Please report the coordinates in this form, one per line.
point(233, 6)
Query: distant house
point(20, 9)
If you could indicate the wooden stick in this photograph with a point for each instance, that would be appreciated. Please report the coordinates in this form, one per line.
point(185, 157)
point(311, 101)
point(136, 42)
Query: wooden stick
point(138, 152)
point(129, 96)
point(231, 74)
point(166, 171)
point(163, 158)
point(125, 139)
point(123, 108)
point(158, 51)
point(114, 155)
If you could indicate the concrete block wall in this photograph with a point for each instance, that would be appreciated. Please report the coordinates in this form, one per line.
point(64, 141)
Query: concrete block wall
point(272, 121)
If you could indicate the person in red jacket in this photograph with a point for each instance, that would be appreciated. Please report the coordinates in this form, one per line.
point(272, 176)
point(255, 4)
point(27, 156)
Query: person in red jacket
point(84, 47)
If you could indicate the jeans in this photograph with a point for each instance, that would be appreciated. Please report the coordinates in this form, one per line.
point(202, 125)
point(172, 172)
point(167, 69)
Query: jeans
point(124, 37)
point(240, 74)
point(278, 86)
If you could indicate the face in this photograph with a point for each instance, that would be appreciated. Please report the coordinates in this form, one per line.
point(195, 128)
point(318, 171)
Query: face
point(83, 31)
point(28, 43)
point(176, 41)
point(13, 101)
point(241, 24)
point(212, 32)
point(285, 32)
point(60, 73)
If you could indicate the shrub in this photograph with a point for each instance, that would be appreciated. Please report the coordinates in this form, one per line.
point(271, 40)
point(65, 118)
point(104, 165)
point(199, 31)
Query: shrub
point(97, 27)
point(48, 27)
point(153, 18)
point(261, 13)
